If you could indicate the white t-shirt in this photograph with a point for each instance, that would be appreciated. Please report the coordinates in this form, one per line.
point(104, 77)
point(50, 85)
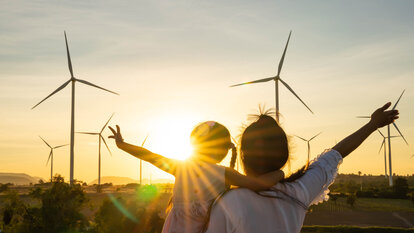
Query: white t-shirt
point(197, 184)
point(243, 211)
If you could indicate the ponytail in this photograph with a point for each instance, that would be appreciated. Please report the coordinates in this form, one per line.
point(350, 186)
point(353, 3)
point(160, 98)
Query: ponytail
point(233, 156)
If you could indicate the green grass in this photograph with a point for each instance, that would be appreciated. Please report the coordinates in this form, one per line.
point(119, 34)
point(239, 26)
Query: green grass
point(367, 204)
point(353, 229)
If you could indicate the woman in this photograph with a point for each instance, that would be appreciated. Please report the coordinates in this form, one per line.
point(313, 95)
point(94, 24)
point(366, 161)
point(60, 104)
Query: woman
point(264, 147)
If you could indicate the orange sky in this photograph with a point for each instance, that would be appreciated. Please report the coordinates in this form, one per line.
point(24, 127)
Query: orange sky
point(173, 64)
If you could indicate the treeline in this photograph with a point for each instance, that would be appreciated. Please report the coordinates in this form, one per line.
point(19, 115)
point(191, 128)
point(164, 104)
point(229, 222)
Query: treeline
point(373, 186)
point(60, 209)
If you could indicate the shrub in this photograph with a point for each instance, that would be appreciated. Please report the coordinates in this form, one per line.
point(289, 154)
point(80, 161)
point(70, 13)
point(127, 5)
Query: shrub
point(351, 199)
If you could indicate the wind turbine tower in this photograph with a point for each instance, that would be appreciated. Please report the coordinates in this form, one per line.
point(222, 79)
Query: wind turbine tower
point(51, 156)
point(383, 144)
point(308, 142)
point(140, 162)
point(277, 79)
point(99, 134)
point(72, 80)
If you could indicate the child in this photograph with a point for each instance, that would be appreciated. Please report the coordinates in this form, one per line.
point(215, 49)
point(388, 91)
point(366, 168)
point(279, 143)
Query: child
point(199, 180)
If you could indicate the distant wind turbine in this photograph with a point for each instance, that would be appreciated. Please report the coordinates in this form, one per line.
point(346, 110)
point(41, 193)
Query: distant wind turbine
point(103, 139)
point(51, 156)
point(72, 80)
point(389, 139)
point(383, 144)
point(140, 162)
point(308, 142)
point(277, 79)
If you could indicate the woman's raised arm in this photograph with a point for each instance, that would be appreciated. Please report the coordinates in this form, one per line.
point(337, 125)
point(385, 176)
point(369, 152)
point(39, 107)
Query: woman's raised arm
point(379, 118)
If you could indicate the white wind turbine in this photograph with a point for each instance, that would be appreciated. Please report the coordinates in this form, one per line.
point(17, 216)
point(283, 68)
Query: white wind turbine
point(389, 139)
point(383, 144)
point(277, 79)
point(51, 156)
point(308, 142)
point(72, 80)
point(103, 139)
point(140, 162)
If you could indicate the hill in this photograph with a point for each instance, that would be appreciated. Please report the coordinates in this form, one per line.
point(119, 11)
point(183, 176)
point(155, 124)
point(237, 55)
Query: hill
point(116, 180)
point(18, 178)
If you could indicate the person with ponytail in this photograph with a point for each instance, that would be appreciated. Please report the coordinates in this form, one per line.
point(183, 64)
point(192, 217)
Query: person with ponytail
point(264, 148)
point(199, 180)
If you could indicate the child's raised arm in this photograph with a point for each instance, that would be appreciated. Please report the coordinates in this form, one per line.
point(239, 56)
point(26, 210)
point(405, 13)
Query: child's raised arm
point(259, 183)
point(163, 163)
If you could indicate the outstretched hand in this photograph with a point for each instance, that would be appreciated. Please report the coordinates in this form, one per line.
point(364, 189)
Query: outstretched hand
point(381, 117)
point(116, 135)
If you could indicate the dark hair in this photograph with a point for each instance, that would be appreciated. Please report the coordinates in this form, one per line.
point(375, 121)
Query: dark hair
point(209, 139)
point(264, 148)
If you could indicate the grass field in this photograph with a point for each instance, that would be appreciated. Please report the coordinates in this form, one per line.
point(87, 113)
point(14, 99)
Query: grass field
point(353, 229)
point(330, 216)
point(366, 204)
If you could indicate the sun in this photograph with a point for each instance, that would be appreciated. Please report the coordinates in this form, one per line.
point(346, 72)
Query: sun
point(170, 136)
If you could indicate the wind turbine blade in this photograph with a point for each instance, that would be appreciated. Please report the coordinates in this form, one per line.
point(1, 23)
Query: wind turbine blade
point(363, 117)
point(93, 85)
point(68, 54)
point(107, 122)
point(255, 81)
point(395, 136)
point(103, 139)
point(58, 89)
point(382, 145)
point(293, 92)
point(45, 142)
point(315, 136)
point(50, 156)
point(301, 138)
point(60, 146)
point(395, 125)
point(395, 105)
point(143, 142)
point(381, 133)
point(282, 59)
point(88, 133)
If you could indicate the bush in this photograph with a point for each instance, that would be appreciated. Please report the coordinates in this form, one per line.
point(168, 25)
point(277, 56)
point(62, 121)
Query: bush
point(400, 188)
point(59, 210)
point(351, 199)
point(117, 216)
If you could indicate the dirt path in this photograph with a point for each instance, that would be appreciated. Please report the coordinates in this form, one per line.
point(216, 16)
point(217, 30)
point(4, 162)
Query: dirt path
point(360, 218)
point(409, 224)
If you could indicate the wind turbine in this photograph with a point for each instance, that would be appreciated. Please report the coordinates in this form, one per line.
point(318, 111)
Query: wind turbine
point(103, 139)
point(72, 80)
point(308, 142)
point(383, 144)
point(277, 79)
point(140, 162)
point(389, 138)
point(51, 156)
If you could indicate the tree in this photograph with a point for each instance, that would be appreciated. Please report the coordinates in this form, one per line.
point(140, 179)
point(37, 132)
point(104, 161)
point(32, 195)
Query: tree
point(13, 211)
point(400, 187)
point(59, 211)
point(5, 187)
point(351, 199)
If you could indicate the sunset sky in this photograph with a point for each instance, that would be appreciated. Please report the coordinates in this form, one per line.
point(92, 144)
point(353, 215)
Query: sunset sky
point(173, 62)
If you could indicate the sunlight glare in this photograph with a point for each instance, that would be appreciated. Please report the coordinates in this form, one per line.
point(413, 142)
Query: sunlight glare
point(171, 136)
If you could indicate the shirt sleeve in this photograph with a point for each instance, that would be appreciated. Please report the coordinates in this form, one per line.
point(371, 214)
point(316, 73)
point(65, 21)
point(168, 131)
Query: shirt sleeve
point(320, 175)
